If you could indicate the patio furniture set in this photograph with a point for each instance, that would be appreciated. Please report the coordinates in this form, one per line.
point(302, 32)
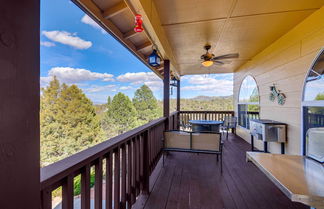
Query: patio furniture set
point(199, 136)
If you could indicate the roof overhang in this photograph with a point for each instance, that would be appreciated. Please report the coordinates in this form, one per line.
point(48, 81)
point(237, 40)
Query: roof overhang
point(180, 28)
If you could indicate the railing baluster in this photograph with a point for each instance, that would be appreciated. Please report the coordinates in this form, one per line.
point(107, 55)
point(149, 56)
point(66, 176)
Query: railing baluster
point(134, 171)
point(146, 174)
point(67, 193)
point(116, 183)
point(123, 177)
point(149, 152)
point(187, 118)
point(109, 192)
point(141, 159)
point(98, 184)
point(129, 173)
point(85, 187)
point(137, 183)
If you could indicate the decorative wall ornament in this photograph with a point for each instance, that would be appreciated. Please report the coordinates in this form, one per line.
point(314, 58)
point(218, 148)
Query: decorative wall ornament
point(274, 92)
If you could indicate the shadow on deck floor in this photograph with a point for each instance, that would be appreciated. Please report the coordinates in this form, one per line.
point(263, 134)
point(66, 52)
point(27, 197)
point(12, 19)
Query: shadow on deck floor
point(194, 181)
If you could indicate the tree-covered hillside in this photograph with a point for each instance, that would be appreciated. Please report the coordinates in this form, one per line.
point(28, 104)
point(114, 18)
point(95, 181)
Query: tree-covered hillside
point(70, 122)
point(204, 103)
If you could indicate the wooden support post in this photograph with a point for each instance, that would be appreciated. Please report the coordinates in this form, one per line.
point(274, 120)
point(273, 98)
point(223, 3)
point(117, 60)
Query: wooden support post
point(19, 108)
point(166, 91)
point(178, 95)
point(178, 104)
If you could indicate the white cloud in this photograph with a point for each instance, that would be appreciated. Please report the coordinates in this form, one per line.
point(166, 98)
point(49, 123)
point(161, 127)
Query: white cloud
point(209, 84)
point(154, 85)
point(76, 75)
point(67, 38)
point(138, 78)
point(125, 88)
point(47, 43)
point(95, 88)
point(44, 81)
point(89, 21)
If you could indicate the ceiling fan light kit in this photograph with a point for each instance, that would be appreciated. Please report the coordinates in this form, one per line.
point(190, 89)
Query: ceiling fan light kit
point(208, 59)
point(207, 63)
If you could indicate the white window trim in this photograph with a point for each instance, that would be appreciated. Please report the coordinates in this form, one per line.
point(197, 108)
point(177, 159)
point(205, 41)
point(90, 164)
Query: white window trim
point(319, 103)
point(248, 103)
point(308, 103)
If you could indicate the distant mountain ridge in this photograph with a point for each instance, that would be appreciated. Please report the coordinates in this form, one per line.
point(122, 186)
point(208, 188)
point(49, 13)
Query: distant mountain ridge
point(214, 103)
point(209, 98)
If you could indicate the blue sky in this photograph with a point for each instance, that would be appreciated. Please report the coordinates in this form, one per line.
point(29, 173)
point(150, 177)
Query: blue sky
point(77, 51)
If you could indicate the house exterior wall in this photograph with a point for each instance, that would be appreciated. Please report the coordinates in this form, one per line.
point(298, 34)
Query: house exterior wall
point(19, 106)
point(284, 63)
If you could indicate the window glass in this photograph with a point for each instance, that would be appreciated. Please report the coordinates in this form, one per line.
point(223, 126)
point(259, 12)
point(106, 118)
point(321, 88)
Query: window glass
point(314, 117)
point(314, 87)
point(249, 91)
point(313, 105)
point(248, 107)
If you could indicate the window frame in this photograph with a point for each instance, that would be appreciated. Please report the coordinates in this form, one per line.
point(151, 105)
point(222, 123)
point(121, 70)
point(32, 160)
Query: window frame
point(248, 103)
point(307, 104)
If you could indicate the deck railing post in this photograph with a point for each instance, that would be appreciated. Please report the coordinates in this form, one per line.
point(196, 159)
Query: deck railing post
point(178, 120)
point(166, 92)
point(178, 104)
point(46, 199)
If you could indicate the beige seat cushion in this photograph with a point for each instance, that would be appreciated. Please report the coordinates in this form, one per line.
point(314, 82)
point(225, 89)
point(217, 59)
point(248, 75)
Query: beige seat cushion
point(176, 139)
point(206, 141)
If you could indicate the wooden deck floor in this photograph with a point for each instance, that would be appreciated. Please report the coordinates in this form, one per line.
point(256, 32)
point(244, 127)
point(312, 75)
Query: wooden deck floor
point(194, 181)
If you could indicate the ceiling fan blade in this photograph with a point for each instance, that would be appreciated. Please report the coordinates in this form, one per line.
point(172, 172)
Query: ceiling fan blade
point(218, 62)
point(226, 56)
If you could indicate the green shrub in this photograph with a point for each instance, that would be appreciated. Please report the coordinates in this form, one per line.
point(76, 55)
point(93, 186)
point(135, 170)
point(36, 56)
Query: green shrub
point(77, 182)
point(77, 185)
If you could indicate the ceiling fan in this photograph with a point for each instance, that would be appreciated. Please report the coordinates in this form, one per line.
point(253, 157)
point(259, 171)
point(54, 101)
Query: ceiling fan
point(208, 59)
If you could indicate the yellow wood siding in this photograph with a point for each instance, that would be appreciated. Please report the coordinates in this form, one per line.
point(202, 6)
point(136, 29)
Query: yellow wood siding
point(285, 63)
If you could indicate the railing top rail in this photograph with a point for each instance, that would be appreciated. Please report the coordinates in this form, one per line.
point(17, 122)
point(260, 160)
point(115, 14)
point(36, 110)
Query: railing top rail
point(57, 171)
point(174, 113)
point(205, 111)
point(253, 112)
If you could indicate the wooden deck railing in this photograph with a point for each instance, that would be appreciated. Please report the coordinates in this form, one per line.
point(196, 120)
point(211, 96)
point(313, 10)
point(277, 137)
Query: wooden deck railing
point(123, 164)
point(244, 118)
point(185, 116)
point(128, 161)
point(174, 121)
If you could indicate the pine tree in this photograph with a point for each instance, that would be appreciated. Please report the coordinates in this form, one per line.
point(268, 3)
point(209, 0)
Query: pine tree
point(121, 115)
point(81, 126)
point(146, 105)
point(50, 128)
point(108, 102)
point(68, 122)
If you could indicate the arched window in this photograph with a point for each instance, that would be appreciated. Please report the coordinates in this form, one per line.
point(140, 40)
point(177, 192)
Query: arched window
point(248, 102)
point(313, 97)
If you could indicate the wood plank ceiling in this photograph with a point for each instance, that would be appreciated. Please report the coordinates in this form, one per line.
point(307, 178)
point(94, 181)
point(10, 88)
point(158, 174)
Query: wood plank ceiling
point(180, 28)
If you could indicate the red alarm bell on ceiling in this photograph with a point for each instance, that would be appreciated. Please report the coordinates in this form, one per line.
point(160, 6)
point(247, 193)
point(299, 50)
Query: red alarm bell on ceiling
point(138, 23)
